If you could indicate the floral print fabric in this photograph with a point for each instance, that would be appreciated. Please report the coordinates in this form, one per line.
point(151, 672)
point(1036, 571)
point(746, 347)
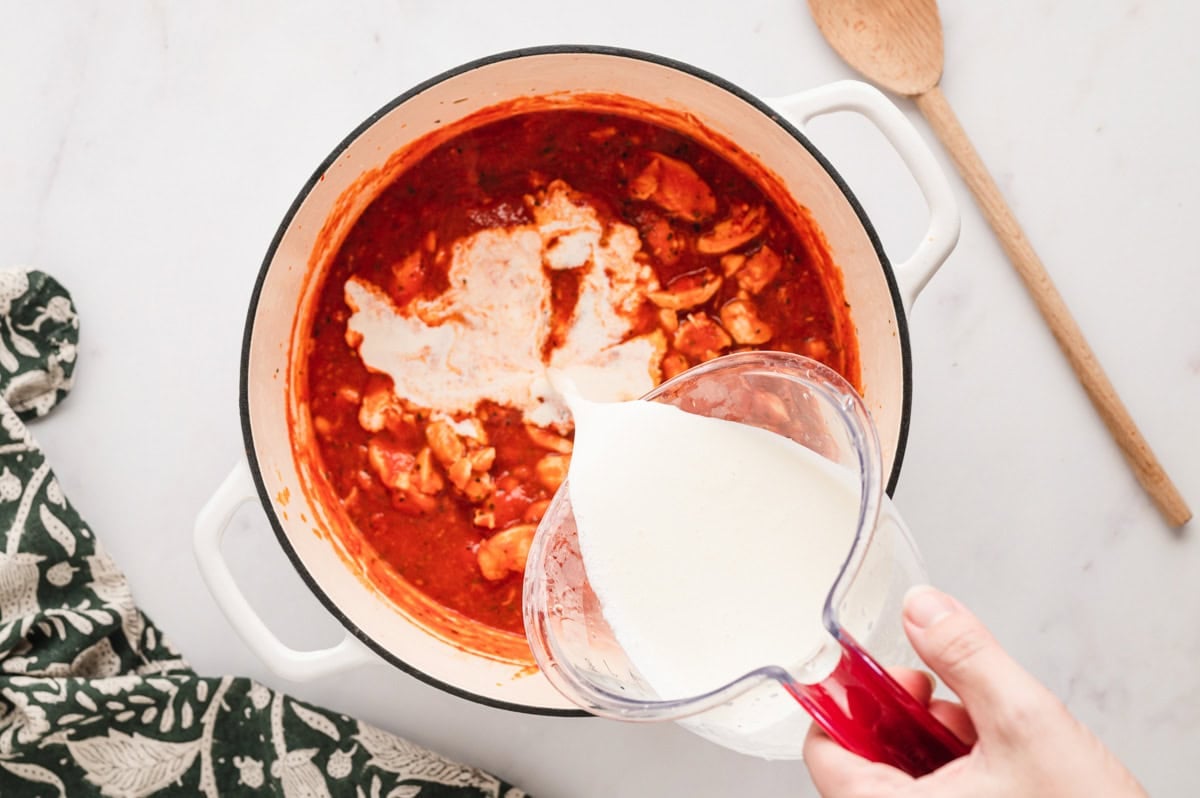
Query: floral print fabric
point(93, 698)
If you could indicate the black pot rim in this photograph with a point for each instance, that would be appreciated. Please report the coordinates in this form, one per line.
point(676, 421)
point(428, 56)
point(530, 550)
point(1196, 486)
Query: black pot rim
point(563, 49)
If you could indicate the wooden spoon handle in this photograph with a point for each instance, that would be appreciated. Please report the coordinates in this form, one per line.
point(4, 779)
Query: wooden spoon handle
point(1116, 417)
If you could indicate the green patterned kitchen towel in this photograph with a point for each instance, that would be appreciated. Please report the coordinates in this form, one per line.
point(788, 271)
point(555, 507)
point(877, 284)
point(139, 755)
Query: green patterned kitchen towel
point(93, 698)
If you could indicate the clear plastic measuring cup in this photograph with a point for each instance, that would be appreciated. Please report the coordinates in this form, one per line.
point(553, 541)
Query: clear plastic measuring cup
point(766, 711)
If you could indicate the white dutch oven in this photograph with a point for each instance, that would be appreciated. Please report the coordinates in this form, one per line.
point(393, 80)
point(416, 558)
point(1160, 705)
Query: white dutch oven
point(878, 292)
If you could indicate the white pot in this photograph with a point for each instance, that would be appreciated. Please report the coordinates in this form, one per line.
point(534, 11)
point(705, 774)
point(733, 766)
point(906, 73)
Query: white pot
point(879, 295)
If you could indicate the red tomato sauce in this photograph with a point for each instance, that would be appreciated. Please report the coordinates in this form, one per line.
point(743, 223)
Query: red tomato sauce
point(482, 178)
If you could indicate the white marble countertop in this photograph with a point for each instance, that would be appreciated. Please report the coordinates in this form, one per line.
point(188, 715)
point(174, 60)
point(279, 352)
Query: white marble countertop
point(148, 152)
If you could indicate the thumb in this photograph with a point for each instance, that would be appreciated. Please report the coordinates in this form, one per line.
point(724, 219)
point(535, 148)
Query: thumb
point(996, 692)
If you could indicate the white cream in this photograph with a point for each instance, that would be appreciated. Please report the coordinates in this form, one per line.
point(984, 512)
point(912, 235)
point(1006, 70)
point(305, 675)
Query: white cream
point(711, 545)
point(483, 338)
point(480, 339)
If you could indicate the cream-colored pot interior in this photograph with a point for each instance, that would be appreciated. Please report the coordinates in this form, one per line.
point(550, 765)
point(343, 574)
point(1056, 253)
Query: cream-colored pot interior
point(287, 281)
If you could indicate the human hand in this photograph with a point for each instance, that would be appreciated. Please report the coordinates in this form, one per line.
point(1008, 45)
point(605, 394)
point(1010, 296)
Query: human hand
point(1025, 742)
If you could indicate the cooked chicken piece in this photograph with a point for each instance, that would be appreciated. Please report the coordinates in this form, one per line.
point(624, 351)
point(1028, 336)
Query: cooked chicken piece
point(676, 188)
point(505, 551)
point(482, 459)
point(394, 466)
point(414, 501)
point(408, 275)
point(687, 291)
point(816, 348)
point(459, 473)
point(447, 447)
point(475, 485)
point(378, 404)
point(476, 431)
point(552, 470)
point(743, 224)
point(548, 440)
point(428, 480)
point(740, 318)
point(759, 269)
point(535, 511)
point(465, 462)
point(667, 320)
point(731, 263)
point(478, 487)
point(701, 338)
point(674, 363)
point(664, 242)
point(413, 486)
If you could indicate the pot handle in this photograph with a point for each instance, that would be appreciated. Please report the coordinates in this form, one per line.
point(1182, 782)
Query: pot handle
point(289, 663)
point(856, 96)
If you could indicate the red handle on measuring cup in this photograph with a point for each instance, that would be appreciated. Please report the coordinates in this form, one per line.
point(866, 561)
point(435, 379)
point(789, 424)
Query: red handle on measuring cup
point(867, 712)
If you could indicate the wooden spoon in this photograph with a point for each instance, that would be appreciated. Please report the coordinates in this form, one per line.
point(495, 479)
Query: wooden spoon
point(898, 44)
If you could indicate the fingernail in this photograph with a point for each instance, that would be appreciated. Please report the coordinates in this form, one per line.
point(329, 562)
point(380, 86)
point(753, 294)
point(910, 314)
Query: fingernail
point(932, 680)
point(924, 606)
